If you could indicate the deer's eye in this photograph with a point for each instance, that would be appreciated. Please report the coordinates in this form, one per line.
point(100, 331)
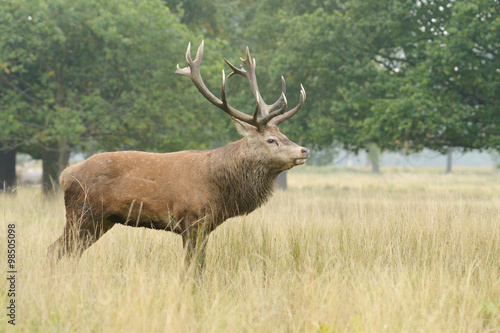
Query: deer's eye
point(271, 141)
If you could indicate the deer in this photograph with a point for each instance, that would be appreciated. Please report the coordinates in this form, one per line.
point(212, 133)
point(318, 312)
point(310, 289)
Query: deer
point(186, 192)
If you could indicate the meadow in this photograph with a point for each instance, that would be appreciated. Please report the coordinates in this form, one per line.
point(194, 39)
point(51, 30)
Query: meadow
point(410, 250)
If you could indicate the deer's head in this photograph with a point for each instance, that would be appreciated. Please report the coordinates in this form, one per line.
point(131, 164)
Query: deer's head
point(263, 140)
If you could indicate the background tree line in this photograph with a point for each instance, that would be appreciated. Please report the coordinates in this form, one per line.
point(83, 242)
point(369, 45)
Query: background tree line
point(396, 75)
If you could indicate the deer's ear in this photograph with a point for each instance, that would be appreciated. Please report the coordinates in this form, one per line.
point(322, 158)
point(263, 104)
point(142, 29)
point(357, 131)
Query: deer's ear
point(244, 128)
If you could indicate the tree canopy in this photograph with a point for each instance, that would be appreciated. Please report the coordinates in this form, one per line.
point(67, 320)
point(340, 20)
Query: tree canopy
point(401, 74)
point(97, 75)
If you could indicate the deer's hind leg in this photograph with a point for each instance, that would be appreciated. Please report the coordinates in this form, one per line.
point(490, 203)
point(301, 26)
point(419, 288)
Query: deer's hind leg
point(84, 226)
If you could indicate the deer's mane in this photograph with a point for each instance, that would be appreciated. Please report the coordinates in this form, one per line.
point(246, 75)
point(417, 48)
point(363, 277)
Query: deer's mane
point(244, 182)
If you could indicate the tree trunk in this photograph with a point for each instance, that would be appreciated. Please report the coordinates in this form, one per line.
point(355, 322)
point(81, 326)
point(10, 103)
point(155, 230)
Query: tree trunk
point(281, 181)
point(373, 155)
point(7, 170)
point(449, 160)
point(375, 167)
point(54, 160)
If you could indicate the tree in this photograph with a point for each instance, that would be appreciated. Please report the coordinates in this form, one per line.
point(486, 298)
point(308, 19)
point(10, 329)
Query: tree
point(95, 74)
point(7, 170)
point(401, 74)
point(448, 89)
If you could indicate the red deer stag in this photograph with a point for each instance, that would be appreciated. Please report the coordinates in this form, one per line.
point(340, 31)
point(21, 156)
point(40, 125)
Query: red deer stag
point(187, 192)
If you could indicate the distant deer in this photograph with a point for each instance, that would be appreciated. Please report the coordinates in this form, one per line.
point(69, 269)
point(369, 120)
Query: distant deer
point(187, 192)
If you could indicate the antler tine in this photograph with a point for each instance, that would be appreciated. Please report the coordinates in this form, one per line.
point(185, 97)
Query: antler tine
point(188, 53)
point(194, 74)
point(282, 96)
point(275, 113)
point(281, 118)
point(199, 53)
point(249, 61)
point(223, 89)
point(187, 71)
point(197, 60)
point(249, 73)
point(241, 71)
point(224, 98)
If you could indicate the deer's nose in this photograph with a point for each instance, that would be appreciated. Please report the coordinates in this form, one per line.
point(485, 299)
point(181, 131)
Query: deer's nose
point(306, 152)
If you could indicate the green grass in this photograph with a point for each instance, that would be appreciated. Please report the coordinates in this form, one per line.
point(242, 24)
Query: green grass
point(341, 251)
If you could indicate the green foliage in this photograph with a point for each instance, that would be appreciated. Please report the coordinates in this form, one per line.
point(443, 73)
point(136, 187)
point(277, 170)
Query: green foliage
point(444, 93)
point(198, 15)
point(97, 74)
point(401, 74)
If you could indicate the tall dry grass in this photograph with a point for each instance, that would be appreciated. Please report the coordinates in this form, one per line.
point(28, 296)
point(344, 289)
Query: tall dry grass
point(341, 251)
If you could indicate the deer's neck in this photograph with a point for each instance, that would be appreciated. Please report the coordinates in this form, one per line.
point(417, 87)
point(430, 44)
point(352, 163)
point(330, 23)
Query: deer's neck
point(245, 182)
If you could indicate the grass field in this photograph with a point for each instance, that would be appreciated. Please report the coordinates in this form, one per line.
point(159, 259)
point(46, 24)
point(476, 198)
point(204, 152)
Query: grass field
point(340, 251)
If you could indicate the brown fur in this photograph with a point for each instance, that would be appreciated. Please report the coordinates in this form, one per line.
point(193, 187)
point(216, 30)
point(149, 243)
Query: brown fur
point(187, 192)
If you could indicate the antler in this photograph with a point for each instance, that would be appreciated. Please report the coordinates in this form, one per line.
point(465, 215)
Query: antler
point(279, 119)
point(269, 112)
